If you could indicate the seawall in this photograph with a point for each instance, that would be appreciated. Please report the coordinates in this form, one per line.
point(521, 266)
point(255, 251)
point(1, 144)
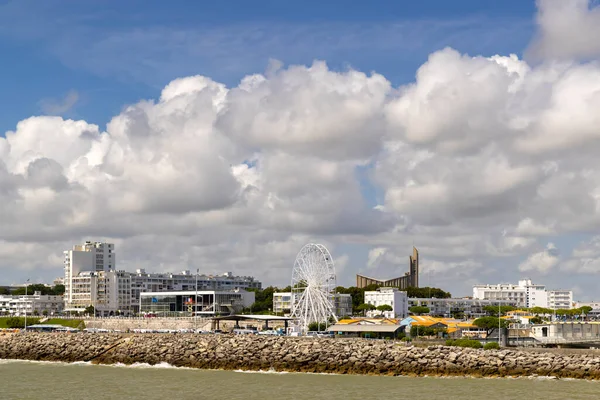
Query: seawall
point(342, 356)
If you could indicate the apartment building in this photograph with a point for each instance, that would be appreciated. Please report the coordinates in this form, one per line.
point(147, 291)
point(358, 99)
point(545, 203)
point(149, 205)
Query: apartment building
point(525, 294)
point(393, 297)
point(458, 308)
point(92, 279)
point(33, 304)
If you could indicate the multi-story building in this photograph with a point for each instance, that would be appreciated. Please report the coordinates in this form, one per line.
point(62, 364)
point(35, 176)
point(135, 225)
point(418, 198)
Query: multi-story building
point(91, 279)
point(393, 297)
point(34, 304)
point(187, 303)
point(5, 304)
point(142, 281)
point(108, 292)
point(524, 294)
point(560, 299)
point(457, 308)
point(88, 257)
point(283, 302)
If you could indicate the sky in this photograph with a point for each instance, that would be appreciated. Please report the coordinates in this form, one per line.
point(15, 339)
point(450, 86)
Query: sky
point(224, 137)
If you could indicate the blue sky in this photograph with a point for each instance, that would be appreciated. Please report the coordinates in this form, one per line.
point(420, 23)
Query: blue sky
point(114, 53)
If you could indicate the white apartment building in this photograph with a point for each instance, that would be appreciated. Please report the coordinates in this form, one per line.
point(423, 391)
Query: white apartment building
point(457, 308)
point(108, 292)
point(5, 304)
point(393, 297)
point(92, 279)
point(524, 294)
point(33, 304)
point(88, 257)
point(560, 299)
point(283, 301)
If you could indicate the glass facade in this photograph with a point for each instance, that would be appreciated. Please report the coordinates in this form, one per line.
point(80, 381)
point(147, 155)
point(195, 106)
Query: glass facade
point(184, 304)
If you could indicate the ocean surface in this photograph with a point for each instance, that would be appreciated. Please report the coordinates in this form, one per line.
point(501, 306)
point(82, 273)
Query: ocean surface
point(41, 380)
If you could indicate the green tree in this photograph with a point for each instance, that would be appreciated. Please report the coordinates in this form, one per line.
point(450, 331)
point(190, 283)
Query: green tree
point(316, 326)
point(536, 320)
point(384, 307)
point(427, 293)
point(490, 323)
point(493, 310)
point(365, 307)
point(58, 290)
point(4, 291)
point(45, 313)
point(90, 310)
point(416, 330)
point(418, 310)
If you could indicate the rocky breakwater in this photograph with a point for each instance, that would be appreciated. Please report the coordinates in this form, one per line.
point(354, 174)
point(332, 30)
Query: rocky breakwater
point(346, 356)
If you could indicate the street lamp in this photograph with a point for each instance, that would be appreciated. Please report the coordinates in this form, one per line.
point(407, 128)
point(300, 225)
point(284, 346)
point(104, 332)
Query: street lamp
point(26, 304)
point(196, 302)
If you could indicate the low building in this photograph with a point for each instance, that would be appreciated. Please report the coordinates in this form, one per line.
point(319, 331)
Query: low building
point(34, 304)
point(188, 303)
point(454, 328)
point(556, 333)
point(392, 297)
point(283, 302)
point(368, 328)
point(458, 308)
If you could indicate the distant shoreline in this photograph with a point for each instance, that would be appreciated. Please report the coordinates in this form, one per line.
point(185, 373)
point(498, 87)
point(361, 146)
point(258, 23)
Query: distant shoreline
point(283, 354)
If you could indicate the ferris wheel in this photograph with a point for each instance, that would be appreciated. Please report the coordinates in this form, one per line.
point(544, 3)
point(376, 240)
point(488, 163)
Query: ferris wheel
point(313, 286)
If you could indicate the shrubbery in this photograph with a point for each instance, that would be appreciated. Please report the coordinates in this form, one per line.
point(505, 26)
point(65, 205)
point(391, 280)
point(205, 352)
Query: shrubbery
point(491, 346)
point(473, 344)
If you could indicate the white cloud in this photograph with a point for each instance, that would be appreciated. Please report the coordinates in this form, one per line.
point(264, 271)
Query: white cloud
point(566, 29)
point(475, 162)
point(59, 107)
point(543, 261)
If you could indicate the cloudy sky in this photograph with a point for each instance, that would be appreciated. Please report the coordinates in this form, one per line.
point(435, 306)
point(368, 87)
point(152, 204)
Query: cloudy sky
point(226, 138)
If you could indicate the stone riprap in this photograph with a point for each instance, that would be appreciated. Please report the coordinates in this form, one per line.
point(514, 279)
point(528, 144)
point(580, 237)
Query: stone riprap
point(342, 356)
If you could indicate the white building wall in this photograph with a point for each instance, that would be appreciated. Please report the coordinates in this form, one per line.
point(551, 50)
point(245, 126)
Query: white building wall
point(393, 297)
point(524, 294)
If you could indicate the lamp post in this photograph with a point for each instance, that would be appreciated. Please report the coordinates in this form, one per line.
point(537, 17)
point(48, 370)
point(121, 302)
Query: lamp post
point(26, 283)
point(196, 302)
point(499, 320)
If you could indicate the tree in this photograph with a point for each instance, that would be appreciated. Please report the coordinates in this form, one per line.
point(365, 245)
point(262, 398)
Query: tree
point(490, 323)
point(316, 326)
point(365, 307)
point(493, 310)
point(384, 307)
point(585, 310)
point(4, 291)
point(45, 313)
point(419, 310)
point(416, 330)
point(58, 290)
point(427, 293)
point(90, 310)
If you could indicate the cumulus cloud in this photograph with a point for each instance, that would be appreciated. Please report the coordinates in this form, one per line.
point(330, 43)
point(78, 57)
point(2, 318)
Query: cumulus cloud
point(566, 30)
point(543, 261)
point(475, 162)
point(585, 258)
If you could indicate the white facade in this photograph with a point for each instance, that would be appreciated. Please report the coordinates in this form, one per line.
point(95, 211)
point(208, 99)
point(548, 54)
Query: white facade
point(560, 299)
point(108, 292)
point(91, 279)
point(456, 308)
point(282, 303)
point(33, 304)
point(88, 257)
point(393, 297)
point(525, 294)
